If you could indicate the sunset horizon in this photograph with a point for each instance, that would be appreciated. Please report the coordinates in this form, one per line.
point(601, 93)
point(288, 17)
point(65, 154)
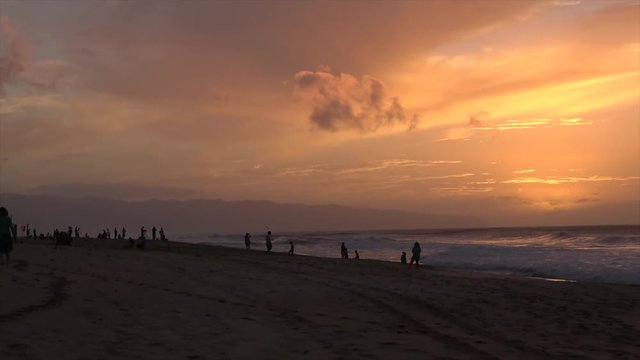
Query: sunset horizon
point(518, 113)
point(319, 179)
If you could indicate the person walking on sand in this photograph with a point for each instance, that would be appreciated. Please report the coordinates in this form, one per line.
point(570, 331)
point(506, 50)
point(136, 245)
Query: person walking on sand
point(415, 251)
point(291, 249)
point(7, 235)
point(247, 241)
point(268, 241)
point(403, 258)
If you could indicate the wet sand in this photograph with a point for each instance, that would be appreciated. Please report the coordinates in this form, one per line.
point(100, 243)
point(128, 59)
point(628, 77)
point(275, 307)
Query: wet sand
point(181, 301)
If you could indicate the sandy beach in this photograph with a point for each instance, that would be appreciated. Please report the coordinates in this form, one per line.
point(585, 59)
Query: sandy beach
point(96, 300)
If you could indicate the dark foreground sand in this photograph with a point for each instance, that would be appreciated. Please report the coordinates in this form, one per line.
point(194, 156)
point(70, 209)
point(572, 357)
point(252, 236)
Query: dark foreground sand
point(179, 301)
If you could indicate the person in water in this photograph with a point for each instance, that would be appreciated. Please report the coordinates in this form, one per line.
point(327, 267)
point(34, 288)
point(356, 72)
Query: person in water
point(268, 241)
point(291, 250)
point(7, 235)
point(247, 241)
point(403, 258)
point(415, 251)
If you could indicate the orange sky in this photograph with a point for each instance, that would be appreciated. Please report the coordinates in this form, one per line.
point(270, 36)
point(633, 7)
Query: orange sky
point(517, 112)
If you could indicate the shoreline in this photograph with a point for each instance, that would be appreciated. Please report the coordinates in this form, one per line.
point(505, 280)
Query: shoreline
point(513, 273)
point(180, 300)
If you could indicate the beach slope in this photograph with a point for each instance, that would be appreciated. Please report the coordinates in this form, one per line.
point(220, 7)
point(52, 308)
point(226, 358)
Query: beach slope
point(97, 300)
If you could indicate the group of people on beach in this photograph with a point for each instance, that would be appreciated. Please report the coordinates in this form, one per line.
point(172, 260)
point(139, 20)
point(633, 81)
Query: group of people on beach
point(8, 233)
point(344, 252)
point(268, 243)
point(415, 255)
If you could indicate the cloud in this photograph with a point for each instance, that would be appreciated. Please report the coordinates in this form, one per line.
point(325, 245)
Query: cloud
point(345, 102)
point(563, 180)
point(14, 52)
point(480, 122)
point(477, 119)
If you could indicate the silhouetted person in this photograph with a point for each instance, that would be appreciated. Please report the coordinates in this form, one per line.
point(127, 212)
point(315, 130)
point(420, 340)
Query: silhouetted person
point(247, 241)
point(162, 237)
point(268, 241)
point(143, 232)
point(77, 232)
point(35, 233)
point(403, 258)
point(291, 249)
point(343, 251)
point(415, 251)
point(357, 255)
point(153, 232)
point(124, 232)
point(7, 235)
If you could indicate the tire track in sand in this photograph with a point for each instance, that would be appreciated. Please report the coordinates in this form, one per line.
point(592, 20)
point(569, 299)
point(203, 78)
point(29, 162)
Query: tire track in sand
point(57, 293)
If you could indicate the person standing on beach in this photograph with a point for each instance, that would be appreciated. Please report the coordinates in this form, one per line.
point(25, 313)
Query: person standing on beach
point(7, 235)
point(162, 234)
point(357, 255)
point(247, 241)
point(343, 251)
point(268, 241)
point(124, 233)
point(291, 250)
point(143, 232)
point(403, 258)
point(153, 232)
point(415, 251)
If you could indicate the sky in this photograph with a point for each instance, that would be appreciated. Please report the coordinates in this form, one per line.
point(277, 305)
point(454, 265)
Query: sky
point(516, 112)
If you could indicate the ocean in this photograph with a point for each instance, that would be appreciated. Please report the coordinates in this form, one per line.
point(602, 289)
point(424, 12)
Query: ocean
point(607, 254)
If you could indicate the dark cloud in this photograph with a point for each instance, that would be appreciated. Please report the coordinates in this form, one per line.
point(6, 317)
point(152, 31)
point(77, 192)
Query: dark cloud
point(14, 52)
point(345, 102)
point(478, 119)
